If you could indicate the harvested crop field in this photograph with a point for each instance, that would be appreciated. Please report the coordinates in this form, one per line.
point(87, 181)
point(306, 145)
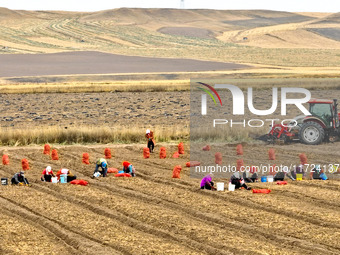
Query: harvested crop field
point(87, 62)
point(154, 213)
point(187, 31)
point(95, 109)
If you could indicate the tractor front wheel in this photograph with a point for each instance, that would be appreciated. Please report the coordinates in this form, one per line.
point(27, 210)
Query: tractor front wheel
point(311, 133)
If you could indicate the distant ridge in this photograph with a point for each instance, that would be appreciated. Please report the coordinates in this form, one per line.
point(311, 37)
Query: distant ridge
point(8, 14)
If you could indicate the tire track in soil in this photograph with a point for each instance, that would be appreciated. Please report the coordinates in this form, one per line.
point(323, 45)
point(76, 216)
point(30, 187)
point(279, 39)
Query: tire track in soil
point(73, 240)
point(3, 250)
point(216, 220)
point(135, 224)
point(250, 204)
point(319, 202)
point(116, 248)
point(317, 185)
point(138, 196)
point(322, 247)
point(13, 214)
point(246, 203)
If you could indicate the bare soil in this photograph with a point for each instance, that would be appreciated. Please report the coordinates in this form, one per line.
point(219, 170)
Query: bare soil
point(95, 109)
point(87, 62)
point(155, 214)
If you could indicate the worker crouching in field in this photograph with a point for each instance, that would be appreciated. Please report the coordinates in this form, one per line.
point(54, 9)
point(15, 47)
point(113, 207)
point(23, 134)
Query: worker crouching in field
point(102, 163)
point(280, 176)
point(129, 168)
point(238, 181)
point(70, 175)
point(298, 172)
point(151, 141)
point(20, 179)
point(251, 175)
point(47, 174)
point(318, 174)
point(206, 182)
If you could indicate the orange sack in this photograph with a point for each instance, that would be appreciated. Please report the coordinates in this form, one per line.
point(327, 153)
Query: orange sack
point(192, 163)
point(146, 153)
point(271, 154)
point(55, 155)
point(112, 170)
point(218, 158)
point(176, 172)
point(107, 153)
point(162, 153)
point(303, 158)
point(175, 155)
point(180, 148)
point(24, 164)
point(5, 160)
point(264, 191)
point(239, 149)
point(86, 158)
point(123, 175)
point(79, 182)
point(206, 148)
point(47, 149)
point(239, 164)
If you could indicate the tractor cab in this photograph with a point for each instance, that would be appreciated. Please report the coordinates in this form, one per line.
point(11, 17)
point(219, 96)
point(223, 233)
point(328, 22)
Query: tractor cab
point(322, 125)
point(324, 112)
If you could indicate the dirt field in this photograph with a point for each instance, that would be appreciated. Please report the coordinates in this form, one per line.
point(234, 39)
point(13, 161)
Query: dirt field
point(95, 109)
point(12, 65)
point(155, 214)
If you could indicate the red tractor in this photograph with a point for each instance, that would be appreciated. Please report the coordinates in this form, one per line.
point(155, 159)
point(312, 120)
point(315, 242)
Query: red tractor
point(322, 125)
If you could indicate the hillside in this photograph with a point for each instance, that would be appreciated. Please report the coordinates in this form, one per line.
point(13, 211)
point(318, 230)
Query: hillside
point(250, 36)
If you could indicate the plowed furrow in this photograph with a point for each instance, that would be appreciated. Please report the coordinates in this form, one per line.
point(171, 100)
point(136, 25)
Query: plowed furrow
point(213, 219)
point(77, 243)
point(133, 223)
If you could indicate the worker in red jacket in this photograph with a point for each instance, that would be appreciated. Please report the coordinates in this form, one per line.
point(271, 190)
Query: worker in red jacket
point(151, 141)
point(47, 174)
point(70, 175)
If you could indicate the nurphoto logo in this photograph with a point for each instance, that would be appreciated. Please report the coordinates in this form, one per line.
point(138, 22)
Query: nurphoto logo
point(238, 104)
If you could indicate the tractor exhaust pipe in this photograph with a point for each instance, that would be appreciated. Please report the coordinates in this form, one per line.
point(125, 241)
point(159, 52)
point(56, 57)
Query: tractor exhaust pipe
point(336, 117)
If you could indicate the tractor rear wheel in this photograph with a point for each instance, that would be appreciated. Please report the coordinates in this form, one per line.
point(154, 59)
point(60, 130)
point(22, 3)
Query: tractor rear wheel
point(311, 133)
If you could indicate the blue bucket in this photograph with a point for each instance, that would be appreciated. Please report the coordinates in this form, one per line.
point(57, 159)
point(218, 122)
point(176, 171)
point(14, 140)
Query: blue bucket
point(63, 178)
point(263, 178)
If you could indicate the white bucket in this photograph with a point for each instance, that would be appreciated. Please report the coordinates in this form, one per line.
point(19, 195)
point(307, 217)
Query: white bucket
point(270, 178)
point(54, 179)
point(231, 187)
point(220, 186)
point(4, 181)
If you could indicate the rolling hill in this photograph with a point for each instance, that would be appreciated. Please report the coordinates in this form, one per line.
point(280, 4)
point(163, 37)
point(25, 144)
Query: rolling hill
point(243, 36)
